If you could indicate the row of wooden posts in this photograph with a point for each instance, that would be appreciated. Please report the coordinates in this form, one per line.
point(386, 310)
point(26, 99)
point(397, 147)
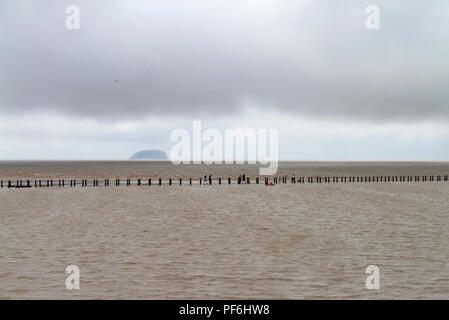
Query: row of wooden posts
point(190, 181)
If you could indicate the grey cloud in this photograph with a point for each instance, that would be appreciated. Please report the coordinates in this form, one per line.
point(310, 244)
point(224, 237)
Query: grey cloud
point(213, 57)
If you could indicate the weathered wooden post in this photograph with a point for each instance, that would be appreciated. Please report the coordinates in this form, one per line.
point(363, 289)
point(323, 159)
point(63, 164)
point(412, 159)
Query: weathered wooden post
point(248, 181)
point(138, 182)
point(9, 183)
point(28, 183)
point(257, 180)
point(160, 181)
point(200, 181)
point(219, 180)
point(229, 180)
point(169, 181)
point(180, 181)
point(149, 182)
point(190, 181)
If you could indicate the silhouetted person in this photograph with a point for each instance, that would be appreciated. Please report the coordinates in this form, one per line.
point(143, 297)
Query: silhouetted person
point(243, 178)
point(210, 179)
point(239, 180)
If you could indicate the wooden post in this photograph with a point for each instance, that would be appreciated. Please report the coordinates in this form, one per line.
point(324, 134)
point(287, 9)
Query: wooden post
point(248, 181)
point(190, 181)
point(169, 181)
point(219, 180)
point(149, 182)
point(257, 180)
point(9, 184)
point(180, 181)
point(138, 182)
point(28, 183)
point(160, 181)
point(229, 180)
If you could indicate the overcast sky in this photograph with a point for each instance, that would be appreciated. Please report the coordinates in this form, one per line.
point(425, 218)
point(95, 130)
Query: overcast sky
point(334, 89)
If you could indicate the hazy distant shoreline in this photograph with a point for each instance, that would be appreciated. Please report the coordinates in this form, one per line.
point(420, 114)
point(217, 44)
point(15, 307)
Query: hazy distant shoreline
point(75, 169)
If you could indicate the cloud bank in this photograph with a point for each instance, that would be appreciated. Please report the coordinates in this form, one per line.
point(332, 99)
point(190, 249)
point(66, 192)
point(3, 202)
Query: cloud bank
point(187, 59)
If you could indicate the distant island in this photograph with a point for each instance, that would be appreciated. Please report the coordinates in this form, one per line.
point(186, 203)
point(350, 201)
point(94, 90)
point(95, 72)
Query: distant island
point(149, 155)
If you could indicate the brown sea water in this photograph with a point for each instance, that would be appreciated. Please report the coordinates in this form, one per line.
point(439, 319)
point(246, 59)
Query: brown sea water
point(237, 241)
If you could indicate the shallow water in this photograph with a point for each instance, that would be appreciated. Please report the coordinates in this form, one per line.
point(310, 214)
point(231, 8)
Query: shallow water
point(229, 242)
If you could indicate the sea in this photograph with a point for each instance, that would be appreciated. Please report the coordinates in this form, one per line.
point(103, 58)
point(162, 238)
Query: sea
point(248, 241)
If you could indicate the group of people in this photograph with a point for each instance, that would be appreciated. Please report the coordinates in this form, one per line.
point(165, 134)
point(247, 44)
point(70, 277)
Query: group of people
point(241, 179)
point(210, 179)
